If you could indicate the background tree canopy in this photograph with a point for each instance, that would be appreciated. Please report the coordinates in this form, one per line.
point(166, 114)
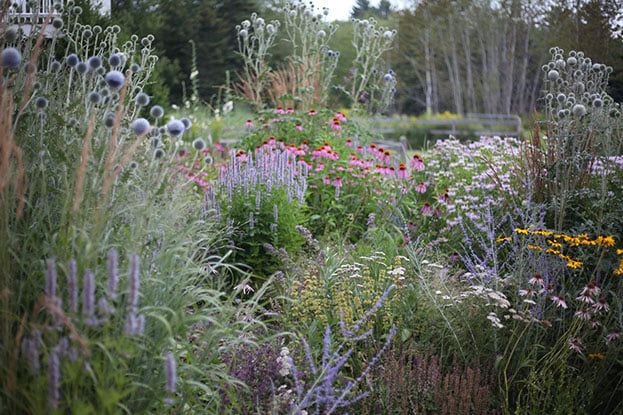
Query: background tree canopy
point(453, 55)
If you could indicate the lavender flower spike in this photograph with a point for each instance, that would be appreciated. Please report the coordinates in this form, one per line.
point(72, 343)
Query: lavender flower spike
point(54, 378)
point(88, 296)
point(72, 286)
point(50, 278)
point(113, 273)
point(171, 374)
point(135, 283)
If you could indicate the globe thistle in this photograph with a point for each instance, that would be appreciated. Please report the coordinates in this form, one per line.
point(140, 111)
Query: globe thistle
point(598, 103)
point(159, 153)
point(11, 35)
point(243, 33)
point(388, 77)
point(10, 58)
point(82, 68)
point(150, 38)
point(135, 67)
point(109, 119)
point(116, 29)
point(388, 35)
point(175, 127)
point(553, 75)
point(561, 98)
point(57, 23)
point(140, 126)
point(199, 144)
point(321, 34)
point(187, 123)
point(155, 142)
point(72, 60)
point(270, 28)
point(41, 103)
point(115, 79)
point(55, 66)
point(133, 165)
point(156, 111)
point(579, 110)
point(94, 62)
point(572, 61)
point(142, 99)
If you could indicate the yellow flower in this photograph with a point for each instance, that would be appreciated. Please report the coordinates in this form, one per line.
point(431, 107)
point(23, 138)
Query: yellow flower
point(503, 239)
point(574, 264)
point(619, 251)
point(535, 247)
point(521, 231)
point(598, 356)
point(554, 243)
point(619, 270)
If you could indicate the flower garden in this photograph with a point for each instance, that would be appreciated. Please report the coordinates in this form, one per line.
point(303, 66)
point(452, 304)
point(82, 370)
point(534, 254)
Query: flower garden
point(306, 268)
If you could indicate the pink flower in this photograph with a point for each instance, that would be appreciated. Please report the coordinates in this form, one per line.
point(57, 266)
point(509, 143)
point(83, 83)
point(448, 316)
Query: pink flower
point(359, 149)
point(417, 163)
point(590, 289)
point(613, 336)
point(340, 116)
point(312, 112)
point(337, 182)
point(403, 173)
point(575, 344)
point(289, 110)
point(601, 305)
point(526, 293)
point(583, 315)
point(319, 167)
point(248, 123)
point(427, 209)
point(335, 124)
point(420, 188)
point(298, 127)
point(349, 142)
point(559, 301)
point(327, 180)
point(537, 280)
point(279, 110)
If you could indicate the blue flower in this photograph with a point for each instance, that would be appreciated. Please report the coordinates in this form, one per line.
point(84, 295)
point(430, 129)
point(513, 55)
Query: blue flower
point(10, 58)
point(95, 62)
point(199, 144)
point(175, 127)
point(156, 111)
point(115, 79)
point(142, 99)
point(82, 67)
point(72, 60)
point(41, 103)
point(140, 126)
point(114, 60)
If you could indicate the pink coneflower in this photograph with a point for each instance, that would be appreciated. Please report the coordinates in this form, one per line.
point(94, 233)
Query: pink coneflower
point(298, 127)
point(444, 198)
point(327, 180)
point(248, 123)
point(427, 209)
point(312, 112)
point(417, 163)
point(289, 110)
point(575, 344)
point(527, 292)
point(590, 289)
point(559, 301)
point(583, 315)
point(613, 336)
point(601, 305)
point(349, 142)
point(373, 148)
point(403, 173)
point(421, 187)
point(340, 116)
point(359, 149)
point(585, 298)
point(335, 124)
point(537, 279)
point(337, 182)
point(279, 110)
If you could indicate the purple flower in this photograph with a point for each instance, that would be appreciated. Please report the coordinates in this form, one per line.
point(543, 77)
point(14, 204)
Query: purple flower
point(10, 58)
point(135, 283)
point(88, 297)
point(112, 264)
point(140, 126)
point(72, 286)
point(115, 79)
point(175, 128)
point(50, 278)
point(54, 378)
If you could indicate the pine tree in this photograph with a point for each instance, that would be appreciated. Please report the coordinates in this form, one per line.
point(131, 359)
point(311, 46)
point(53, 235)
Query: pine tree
point(360, 9)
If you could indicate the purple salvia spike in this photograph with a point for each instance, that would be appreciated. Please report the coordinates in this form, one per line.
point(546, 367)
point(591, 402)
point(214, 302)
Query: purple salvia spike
point(31, 347)
point(135, 283)
point(140, 325)
point(113, 273)
point(171, 375)
point(54, 379)
point(50, 278)
point(72, 286)
point(88, 296)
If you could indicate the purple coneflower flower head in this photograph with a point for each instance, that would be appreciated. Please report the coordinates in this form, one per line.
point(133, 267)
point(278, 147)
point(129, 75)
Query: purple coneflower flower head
point(88, 297)
point(559, 301)
point(176, 128)
point(115, 79)
point(614, 336)
point(50, 278)
point(427, 209)
point(575, 344)
point(248, 123)
point(156, 111)
point(10, 58)
point(54, 378)
point(140, 126)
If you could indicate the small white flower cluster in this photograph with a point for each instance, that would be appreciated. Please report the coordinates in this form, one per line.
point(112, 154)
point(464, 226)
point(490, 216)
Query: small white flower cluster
point(285, 362)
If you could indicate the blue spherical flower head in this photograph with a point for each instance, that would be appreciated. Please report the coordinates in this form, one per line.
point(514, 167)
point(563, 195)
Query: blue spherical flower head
point(142, 99)
point(175, 128)
point(95, 98)
point(41, 103)
point(115, 79)
point(10, 58)
point(199, 144)
point(72, 60)
point(387, 77)
point(57, 23)
point(82, 67)
point(140, 126)
point(94, 62)
point(187, 123)
point(156, 111)
point(55, 66)
point(114, 60)
point(159, 153)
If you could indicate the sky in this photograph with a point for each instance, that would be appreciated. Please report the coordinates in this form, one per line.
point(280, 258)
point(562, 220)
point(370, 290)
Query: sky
point(340, 9)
